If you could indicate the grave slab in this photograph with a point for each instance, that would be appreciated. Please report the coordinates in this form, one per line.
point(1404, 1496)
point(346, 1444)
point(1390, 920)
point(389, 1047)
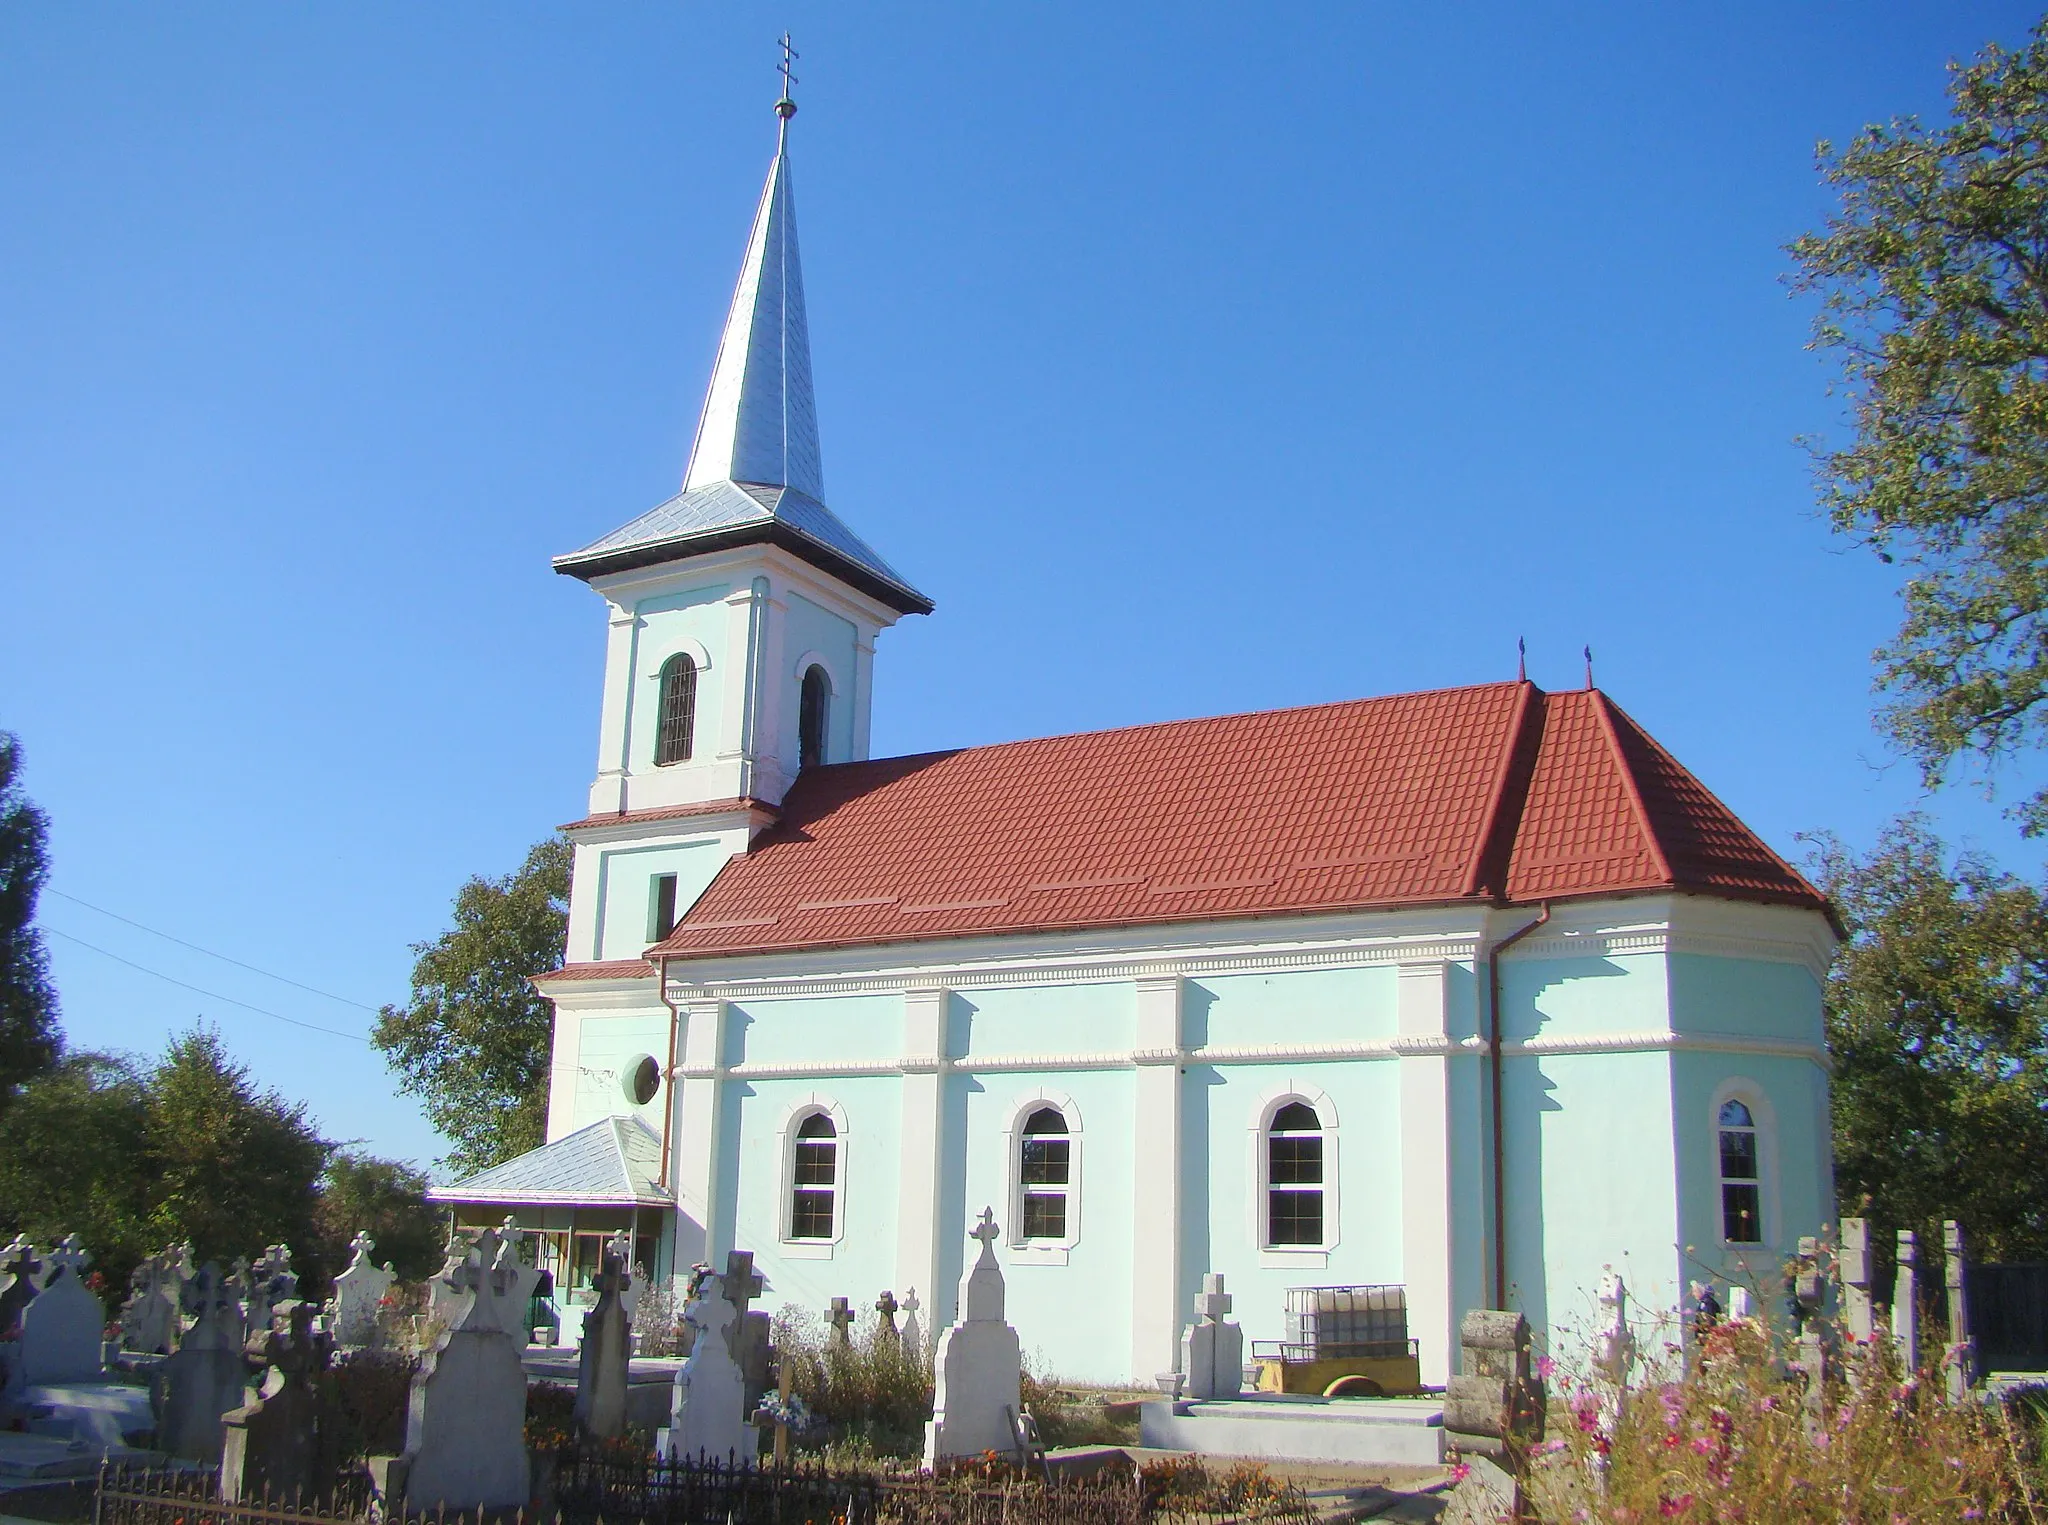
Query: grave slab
point(1284, 1427)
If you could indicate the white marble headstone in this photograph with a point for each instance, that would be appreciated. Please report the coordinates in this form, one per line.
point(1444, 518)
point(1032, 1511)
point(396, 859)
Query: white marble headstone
point(978, 1366)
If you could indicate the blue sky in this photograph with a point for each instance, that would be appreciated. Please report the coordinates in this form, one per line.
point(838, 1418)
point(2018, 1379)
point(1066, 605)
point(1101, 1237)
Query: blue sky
point(1194, 358)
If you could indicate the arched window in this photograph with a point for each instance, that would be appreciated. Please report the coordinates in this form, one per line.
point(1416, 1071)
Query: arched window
point(678, 722)
point(814, 716)
point(1742, 1215)
point(1045, 1172)
point(814, 1187)
point(1294, 1176)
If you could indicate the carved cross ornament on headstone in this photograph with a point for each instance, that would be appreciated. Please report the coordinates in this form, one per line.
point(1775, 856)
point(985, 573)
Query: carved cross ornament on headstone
point(741, 1283)
point(839, 1314)
point(885, 1315)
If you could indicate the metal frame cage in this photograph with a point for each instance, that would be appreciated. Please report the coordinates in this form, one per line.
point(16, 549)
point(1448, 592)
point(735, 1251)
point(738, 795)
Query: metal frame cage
point(1326, 1323)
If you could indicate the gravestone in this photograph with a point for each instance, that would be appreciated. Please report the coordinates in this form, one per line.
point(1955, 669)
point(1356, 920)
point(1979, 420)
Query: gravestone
point(1741, 1306)
point(1959, 1359)
point(269, 1283)
point(465, 1428)
point(709, 1404)
point(1614, 1358)
point(913, 1327)
point(753, 1334)
point(359, 1294)
point(1211, 1350)
point(62, 1329)
point(886, 1309)
point(207, 1376)
point(284, 1446)
point(1906, 1302)
point(1493, 1414)
point(839, 1314)
point(1858, 1307)
point(21, 1278)
point(978, 1366)
point(149, 1319)
point(601, 1364)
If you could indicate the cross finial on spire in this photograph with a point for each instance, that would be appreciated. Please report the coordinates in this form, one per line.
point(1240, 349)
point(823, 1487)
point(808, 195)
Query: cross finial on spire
point(786, 107)
point(1589, 666)
point(1521, 660)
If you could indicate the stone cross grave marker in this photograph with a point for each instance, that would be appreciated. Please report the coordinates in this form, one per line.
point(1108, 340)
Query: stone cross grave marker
point(839, 1314)
point(62, 1329)
point(913, 1327)
point(207, 1375)
point(886, 1309)
point(270, 1283)
point(752, 1333)
point(708, 1408)
point(607, 1346)
point(283, 1447)
point(1906, 1302)
point(1857, 1307)
point(465, 1431)
point(359, 1293)
point(978, 1366)
point(21, 1278)
point(149, 1319)
point(1211, 1349)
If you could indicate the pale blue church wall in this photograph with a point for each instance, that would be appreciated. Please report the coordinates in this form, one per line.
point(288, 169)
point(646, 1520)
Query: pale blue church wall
point(1789, 1099)
point(1044, 1019)
point(1074, 1320)
point(1471, 1131)
point(1298, 1006)
point(608, 1048)
point(814, 1029)
point(1582, 996)
point(809, 628)
point(1747, 996)
point(669, 624)
point(625, 889)
point(1588, 1144)
point(862, 1262)
point(1222, 1224)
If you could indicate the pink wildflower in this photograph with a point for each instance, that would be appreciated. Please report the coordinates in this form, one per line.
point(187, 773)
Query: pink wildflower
point(1545, 1368)
point(1460, 1472)
point(1670, 1508)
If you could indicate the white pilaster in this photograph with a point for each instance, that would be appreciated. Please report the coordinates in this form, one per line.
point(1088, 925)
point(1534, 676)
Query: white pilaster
point(564, 1057)
point(921, 1168)
point(774, 699)
point(736, 695)
point(695, 1123)
point(1427, 1246)
point(863, 695)
point(614, 737)
point(1156, 1180)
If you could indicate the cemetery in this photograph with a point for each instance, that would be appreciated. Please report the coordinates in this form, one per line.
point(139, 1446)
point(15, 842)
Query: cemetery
point(220, 1393)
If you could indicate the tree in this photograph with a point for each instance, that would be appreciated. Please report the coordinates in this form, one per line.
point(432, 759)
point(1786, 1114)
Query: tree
point(387, 1199)
point(1934, 285)
point(29, 1039)
point(75, 1158)
point(474, 1040)
point(1937, 1015)
point(234, 1168)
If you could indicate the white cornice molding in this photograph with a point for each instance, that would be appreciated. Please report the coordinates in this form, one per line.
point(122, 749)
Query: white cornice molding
point(670, 831)
point(1568, 1045)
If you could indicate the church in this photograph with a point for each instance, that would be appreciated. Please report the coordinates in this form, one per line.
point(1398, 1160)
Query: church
point(1473, 992)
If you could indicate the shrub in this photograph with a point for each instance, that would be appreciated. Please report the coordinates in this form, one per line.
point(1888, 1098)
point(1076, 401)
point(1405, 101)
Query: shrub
point(867, 1391)
point(372, 1389)
point(1727, 1436)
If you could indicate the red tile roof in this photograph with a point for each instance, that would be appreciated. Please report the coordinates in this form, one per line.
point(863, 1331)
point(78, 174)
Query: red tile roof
point(1493, 794)
point(672, 813)
point(616, 969)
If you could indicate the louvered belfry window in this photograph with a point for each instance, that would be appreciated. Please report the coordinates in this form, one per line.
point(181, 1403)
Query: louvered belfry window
point(814, 716)
point(1294, 1176)
point(678, 721)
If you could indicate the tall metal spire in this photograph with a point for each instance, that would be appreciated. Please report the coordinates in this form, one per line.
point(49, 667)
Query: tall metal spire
point(760, 420)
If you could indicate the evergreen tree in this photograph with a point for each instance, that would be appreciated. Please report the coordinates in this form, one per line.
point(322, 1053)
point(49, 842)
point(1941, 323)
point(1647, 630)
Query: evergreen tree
point(29, 1040)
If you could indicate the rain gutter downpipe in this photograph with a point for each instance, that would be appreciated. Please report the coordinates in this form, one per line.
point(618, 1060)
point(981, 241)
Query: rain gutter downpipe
point(668, 1078)
point(1493, 1054)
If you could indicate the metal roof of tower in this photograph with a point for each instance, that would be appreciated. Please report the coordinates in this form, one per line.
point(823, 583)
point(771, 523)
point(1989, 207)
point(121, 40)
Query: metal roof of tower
point(754, 472)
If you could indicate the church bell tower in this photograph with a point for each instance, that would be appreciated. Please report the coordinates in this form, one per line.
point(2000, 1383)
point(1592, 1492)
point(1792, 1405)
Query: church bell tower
point(743, 615)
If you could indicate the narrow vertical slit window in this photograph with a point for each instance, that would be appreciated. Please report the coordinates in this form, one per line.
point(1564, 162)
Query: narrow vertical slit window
point(661, 907)
point(813, 1209)
point(1045, 1167)
point(814, 716)
point(1742, 1218)
point(1294, 1176)
point(675, 731)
